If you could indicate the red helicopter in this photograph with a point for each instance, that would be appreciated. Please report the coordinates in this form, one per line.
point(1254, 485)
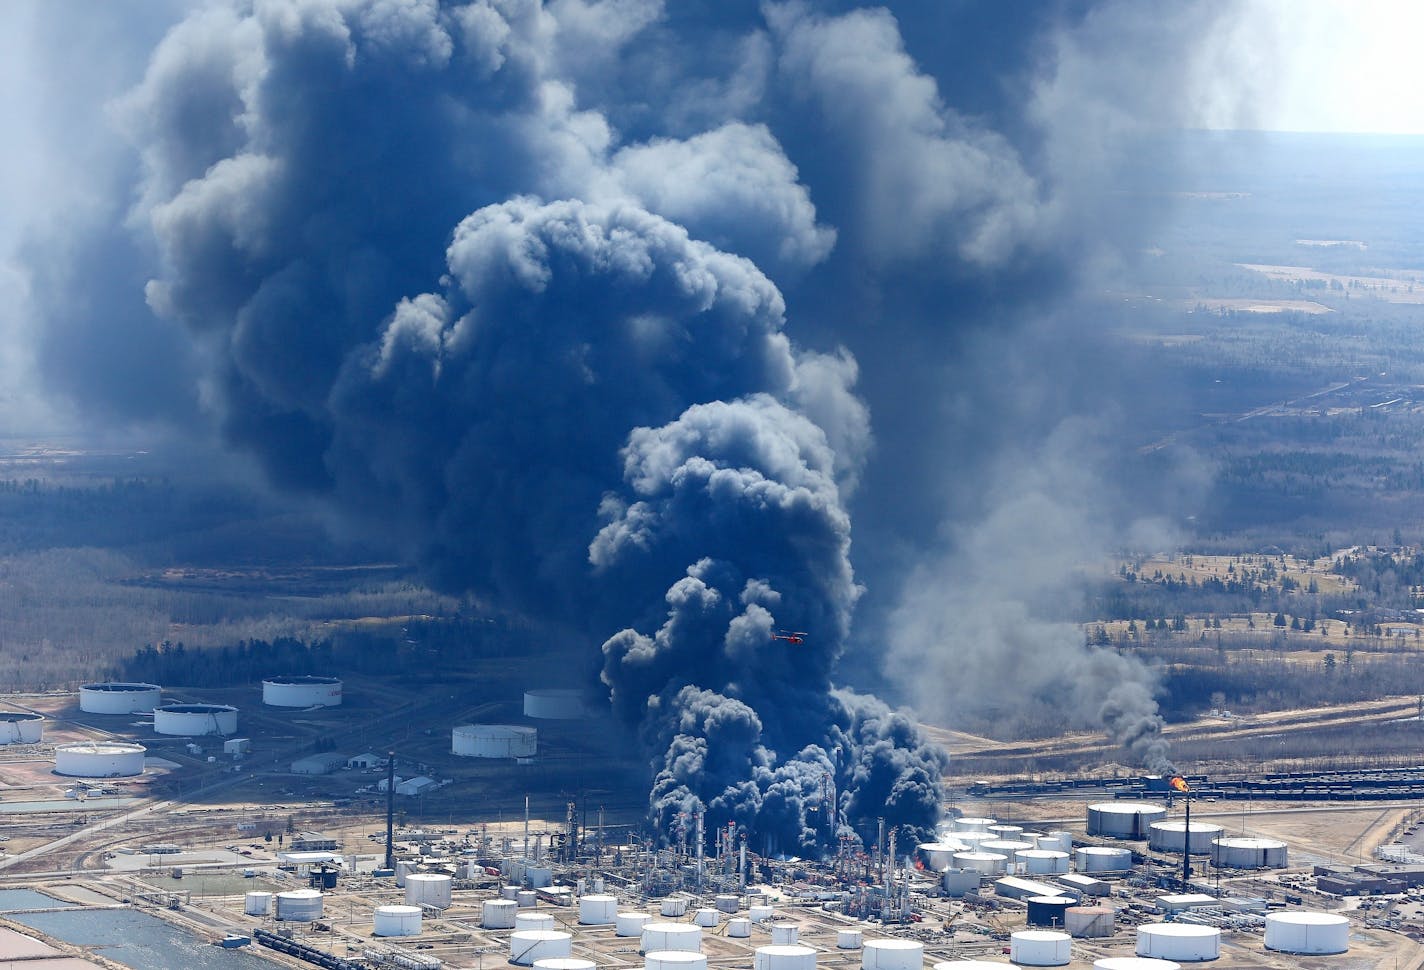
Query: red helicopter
point(795, 638)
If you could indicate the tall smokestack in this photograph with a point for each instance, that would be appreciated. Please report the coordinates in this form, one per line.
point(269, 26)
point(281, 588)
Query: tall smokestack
point(390, 809)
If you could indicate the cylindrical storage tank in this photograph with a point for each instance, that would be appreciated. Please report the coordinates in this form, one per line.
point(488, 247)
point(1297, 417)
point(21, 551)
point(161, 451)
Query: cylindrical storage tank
point(1182, 942)
point(707, 917)
point(555, 704)
point(526, 946)
point(21, 727)
point(299, 905)
point(494, 741)
point(760, 914)
point(671, 936)
point(848, 939)
point(1008, 849)
point(119, 698)
point(631, 924)
point(99, 759)
point(974, 824)
point(526, 898)
point(1042, 862)
point(564, 963)
point(1310, 933)
point(1048, 911)
point(1123, 820)
point(792, 957)
point(257, 903)
point(739, 928)
point(674, 906)
point(958, 882)
point(1007, 832)
point(939, 855)
point(428, 889)
point(988, 863)
point(1055, 841)
point(498, 914)
point(1134, 963)
point(301, 691)
point(1171, 836)
point(195, 719)
point(598, 910)
point(1090, 922)
point(534, 921)
point(1102, 858)
point(1239, 852)
point(398, 920)
point(892, 955)
point(674, 960)
point(785, 934)
point(727, 903)
point(971, 840)
point(510, 893)
point(1040, 948)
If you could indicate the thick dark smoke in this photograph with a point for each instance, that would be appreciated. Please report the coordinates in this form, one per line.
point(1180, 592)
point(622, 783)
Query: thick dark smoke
point(506, 284)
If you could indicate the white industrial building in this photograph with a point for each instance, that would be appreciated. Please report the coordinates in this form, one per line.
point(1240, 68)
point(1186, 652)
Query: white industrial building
point(195, 719)
point(21, 727)
point(119, 698)
point(366, 760)
point(301, 691)
point(494, 741)
point(418, 785)
point(101, 759)
point(318, 764)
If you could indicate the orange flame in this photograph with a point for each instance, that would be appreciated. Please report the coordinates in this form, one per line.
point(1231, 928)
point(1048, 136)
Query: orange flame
point(1179, 783)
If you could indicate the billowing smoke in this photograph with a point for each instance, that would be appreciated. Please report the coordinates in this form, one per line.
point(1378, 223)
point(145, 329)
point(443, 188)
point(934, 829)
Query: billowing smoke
point(506, 284)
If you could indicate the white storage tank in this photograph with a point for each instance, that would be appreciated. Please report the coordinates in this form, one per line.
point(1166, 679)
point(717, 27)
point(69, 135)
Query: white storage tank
point(706, 917)
point(1042, 862)
point(1308, 933)
point(398, 920)
point(674, 960)
point(1090, 922)
point(556, 704)
point(630, 924)
point(498, 914)
point(971, 840)
point(99, 759)
point(987, 863)
point(301, 691)
point(21, 727)
point(968, 824)
point(598, 910)
point(1055, 841)
point(1009, 833)
point(527, 946)
point(1134, 963)
point(119, 698)
point(526, 898)
point(792, 957)
point(848, 939)
point(739, 928)
point(785, 934)
point(727, 903)
point(428, 889)
point(674, 906)
point(510, 893)
point(1171, 836)
point(1008, 849)
point(1040, 948)
point(494, 741)
point(937, 856)
point(1101, 858)
point(195, 719)
point(534, 921)
point(671, 936)
point(892, 955)
point(1241, 852)
point(1182, 942)
point(299, 905)
point(1123, 820)
point(257, 903)
point(760, 913)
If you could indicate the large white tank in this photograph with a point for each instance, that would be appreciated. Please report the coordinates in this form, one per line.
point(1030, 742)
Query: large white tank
point(257, 903)
point(848, 939)
point(1101, 858)
point(727, 903)
point(988, 863)
point(674, 906)
point(1134, 963)
point(1171, 836)
point(21, 727)
point(739, 927)
point(1040, 948)
point(1009, 833)
point(892, 955)
point(1240, 852)
point(939, 855)
point(398, 920)
point(793, 957)
point(707, 917)
point(1182, 942)
point(195, 719)
point(299, 905)
point(630, 924)
point(1089, 922)
point(301, 691)
point(99, 759)
point(968, 824)
point(494, 741)
point(598, 910)
point(1055, 841)
point(971, 840)
point(785, 934)
point(498, 914)
point(527, 946)
point(1123, 820)
point(556, 704)
point(1042, 862)
point(534, 921)
point(526, 898)
point(671, 936)
point(1308, 933)
point(119, 698)
point(674, 960)
point(428, 889)
point(1006, 848)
